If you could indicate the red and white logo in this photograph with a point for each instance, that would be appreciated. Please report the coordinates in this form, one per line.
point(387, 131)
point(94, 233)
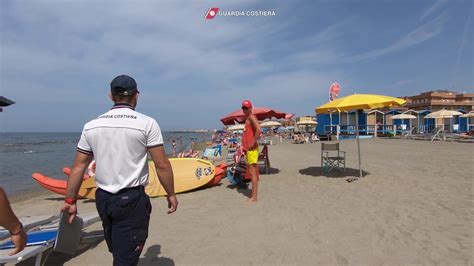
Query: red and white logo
point(211, 13)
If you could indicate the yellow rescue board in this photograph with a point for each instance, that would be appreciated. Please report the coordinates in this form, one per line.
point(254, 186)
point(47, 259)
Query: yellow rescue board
point(189, 174)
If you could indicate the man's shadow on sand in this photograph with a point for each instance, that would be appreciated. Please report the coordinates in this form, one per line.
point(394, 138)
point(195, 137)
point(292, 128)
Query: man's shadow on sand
point(151, 257)
point(319, 171)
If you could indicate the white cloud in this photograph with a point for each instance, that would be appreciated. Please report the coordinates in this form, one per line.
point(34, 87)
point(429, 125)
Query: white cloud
point(421, 34)
point(433, 8)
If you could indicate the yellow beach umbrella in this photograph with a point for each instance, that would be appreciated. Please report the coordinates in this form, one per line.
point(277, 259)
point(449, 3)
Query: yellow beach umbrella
point(307, 122)
point(359, 102)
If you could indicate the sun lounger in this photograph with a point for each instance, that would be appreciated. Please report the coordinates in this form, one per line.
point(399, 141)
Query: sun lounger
point(435, 134)
point(40, 240)
point(29, 223)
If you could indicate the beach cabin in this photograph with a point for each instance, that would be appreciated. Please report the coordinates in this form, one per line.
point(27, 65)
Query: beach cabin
point(375, 122)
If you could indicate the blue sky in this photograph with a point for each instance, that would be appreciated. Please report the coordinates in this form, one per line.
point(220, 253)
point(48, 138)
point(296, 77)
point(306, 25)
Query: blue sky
point(58, 57)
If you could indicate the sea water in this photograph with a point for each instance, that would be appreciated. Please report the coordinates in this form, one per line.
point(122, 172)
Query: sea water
point(22, 154)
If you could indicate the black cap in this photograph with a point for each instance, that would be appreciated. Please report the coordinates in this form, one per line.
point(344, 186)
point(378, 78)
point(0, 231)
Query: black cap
point(123, 85)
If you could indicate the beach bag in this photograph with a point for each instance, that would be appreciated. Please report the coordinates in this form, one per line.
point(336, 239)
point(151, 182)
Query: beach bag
point(236, 173)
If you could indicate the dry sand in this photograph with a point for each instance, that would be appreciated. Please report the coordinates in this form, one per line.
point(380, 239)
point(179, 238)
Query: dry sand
point(414, 206)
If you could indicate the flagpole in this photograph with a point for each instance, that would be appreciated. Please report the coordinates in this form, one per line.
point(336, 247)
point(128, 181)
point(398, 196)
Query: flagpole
point(358, 142)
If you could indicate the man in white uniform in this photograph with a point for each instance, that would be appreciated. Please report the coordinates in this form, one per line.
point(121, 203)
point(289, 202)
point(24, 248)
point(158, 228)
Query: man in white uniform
point(120, 140)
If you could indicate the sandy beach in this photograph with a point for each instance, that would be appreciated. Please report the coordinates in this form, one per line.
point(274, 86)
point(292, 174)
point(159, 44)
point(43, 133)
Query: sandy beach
point(414, 206)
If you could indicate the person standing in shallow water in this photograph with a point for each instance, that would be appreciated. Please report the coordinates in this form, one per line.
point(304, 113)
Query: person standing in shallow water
point(250, 137)
point(173, 143)
point(120, 140)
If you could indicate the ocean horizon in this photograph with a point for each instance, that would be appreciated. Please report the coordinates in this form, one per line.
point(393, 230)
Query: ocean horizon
point(24, 153)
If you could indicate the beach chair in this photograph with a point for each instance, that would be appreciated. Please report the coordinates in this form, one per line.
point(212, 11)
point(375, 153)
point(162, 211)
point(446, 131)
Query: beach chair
point(41, 238)
point(332, 158)
point(409, 133)
point(29, 223)
point(439, 134)
point(263, 160)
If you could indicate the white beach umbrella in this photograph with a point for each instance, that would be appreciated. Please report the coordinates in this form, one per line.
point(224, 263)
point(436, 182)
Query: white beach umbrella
point(403, 116)
point(270, 124)
point(443, 114)
point(236, 127)
point(469, 115)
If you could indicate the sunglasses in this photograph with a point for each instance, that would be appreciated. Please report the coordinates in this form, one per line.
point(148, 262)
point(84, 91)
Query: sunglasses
point(245, 108)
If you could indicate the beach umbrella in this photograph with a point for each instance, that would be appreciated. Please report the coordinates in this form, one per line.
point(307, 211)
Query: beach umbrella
point(308, 122)
point(261, 113)
point(236, 127)
point(404, 116)
point(443, 113)
point(359, 102)
point(4, 101)
point(468, 115)
point(270, 124)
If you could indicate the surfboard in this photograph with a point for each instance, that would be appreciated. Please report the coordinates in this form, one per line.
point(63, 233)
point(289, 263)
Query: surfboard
point(189, 174)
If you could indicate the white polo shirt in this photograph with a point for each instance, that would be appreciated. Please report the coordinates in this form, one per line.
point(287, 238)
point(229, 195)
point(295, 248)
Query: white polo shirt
point(119, 140)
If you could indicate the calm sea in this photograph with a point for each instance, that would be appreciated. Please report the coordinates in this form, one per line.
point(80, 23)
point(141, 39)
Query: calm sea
point(22, 154)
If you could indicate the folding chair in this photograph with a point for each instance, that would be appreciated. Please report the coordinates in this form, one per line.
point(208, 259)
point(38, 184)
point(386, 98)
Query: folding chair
point(332, 157)
point(263, 159)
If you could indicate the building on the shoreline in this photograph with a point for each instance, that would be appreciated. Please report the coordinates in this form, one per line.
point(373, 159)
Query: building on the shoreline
point(441, 99)
point(381, 121)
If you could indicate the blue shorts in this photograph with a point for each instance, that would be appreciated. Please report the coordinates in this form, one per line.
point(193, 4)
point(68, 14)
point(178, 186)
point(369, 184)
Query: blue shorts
point(125, 218)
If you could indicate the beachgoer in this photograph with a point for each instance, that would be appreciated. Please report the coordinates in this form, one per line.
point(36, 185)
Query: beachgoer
point(250, 143)
point(9, 220)
point(173, 143)
point(119, 140)
point(379, 125)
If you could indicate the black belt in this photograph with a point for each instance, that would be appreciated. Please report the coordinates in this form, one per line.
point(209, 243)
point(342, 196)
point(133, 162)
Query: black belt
point(123, 190)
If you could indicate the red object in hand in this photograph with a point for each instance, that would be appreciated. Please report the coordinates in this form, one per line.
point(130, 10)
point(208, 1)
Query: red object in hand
point(70, 201)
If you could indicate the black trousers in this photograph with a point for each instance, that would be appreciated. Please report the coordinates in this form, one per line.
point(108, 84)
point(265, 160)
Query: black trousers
point(125, 218)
